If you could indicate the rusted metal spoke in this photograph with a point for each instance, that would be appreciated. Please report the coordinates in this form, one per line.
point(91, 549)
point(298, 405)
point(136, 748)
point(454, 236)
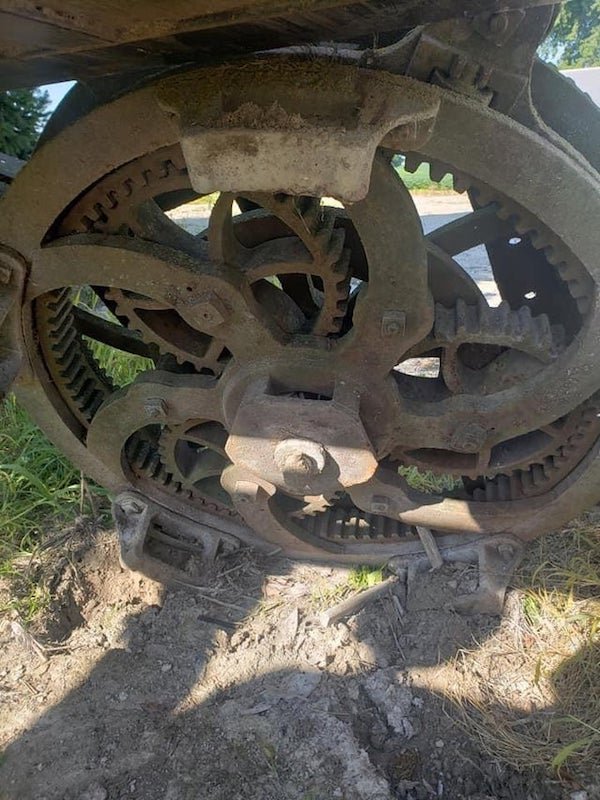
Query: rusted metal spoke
point(109, 333)
point(207, 464)
point(223, 246)
point(394, 310)
point(471, 230)
point(209, 434)
point(448, 281)
point(277, 257)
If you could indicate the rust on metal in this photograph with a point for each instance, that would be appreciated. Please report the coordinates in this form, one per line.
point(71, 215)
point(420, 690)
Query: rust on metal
point(275, 405)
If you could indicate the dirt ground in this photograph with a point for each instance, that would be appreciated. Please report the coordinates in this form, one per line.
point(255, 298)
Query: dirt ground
point(129, 690)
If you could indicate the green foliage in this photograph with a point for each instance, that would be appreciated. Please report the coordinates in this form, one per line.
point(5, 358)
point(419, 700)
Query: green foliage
point(22, 114)
point(40, 490)
point(574, 41)
point(120, 367)
point(365, 577)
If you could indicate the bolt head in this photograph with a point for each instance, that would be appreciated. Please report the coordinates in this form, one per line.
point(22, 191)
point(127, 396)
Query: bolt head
point(498, 23)
point(210, 310)
point(393, 323)
point(131, 506)
point(245, 491)
point(507, 551)
point(155, 408)
point(468, 438)
point(380, 504)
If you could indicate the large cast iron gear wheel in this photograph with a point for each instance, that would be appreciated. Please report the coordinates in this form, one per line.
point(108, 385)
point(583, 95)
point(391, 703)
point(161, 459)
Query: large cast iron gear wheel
point(274, 348)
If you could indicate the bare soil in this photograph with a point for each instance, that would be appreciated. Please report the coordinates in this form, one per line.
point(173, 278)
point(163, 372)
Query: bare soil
point(130, 690)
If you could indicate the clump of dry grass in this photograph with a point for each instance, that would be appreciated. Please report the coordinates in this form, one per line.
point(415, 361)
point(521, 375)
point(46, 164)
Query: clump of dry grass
point(531, 693)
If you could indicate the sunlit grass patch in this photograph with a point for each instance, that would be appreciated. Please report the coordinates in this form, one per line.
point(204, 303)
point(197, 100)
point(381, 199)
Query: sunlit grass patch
point(531, 693)
point(326, 593)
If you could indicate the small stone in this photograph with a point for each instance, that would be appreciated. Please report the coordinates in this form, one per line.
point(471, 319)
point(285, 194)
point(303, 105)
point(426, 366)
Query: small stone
point(417, 702)
point(579, 795)
point(94, 792)
point(122, 696)
point(439, 743)
point(452, 584)
point(166, 667)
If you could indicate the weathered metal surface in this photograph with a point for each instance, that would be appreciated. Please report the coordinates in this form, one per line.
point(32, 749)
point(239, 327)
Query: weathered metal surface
point(280, 335)
point(12, 283)
point(65, 39)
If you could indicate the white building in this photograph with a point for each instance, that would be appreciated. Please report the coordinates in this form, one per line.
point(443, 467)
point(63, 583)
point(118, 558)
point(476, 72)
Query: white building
point(588, 80)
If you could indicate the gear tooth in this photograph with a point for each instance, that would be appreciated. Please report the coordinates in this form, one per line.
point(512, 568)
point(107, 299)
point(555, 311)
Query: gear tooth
point(538, 240)
point(438, 171)
point(461, 311)
point(504, 492)
point(543, 329)
point(483, 194)
point(412, 162)
point(583, 305)
point(526, 481)
point(576, 289)
point(313, 214)
point(525, 318)
point(444, 325)
point(522, 226)
point(460, 182)
point(552, 255)
point(504, 212)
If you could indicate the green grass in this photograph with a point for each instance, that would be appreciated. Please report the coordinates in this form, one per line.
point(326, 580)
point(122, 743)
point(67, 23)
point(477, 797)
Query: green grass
point(120, 367)
point(364, 577)
point(40, 490)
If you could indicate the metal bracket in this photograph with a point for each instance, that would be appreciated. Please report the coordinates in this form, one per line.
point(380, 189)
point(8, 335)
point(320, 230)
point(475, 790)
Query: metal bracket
point(232, 137)
point(138, 519)
point(497, 557)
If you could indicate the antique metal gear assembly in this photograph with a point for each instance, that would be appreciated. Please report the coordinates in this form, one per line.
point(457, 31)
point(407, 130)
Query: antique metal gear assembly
point(309, 359)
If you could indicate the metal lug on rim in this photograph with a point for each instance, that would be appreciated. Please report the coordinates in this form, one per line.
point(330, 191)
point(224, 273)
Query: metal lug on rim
point(155, 408)
point(5, 274)
point(393, 323)
point(246, 491)
point(130, 506)
point(497, 561)
point(506, 551)
point(380, 504)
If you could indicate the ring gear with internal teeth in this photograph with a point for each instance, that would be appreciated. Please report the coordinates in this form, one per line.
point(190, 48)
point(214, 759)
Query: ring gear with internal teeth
point(99, 212)
point(578, 434)
point(465, 324)
point(572, 273)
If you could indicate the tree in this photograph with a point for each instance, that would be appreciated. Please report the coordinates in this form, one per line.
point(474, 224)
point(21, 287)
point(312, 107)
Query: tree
point(22, 114)
point(574, 41)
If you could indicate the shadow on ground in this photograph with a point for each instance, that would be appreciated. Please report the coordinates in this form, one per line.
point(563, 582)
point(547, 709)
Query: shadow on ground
point(165, 695)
